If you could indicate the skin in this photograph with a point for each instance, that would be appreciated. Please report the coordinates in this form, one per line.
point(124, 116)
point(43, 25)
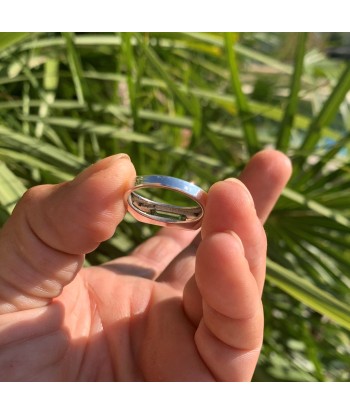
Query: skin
point(181, 307)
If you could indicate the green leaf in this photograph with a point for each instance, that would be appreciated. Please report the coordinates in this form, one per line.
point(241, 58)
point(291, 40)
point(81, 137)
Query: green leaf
point(51, 79)
point(59, 158)
point(35, 163)
point(75, 67)
point(11, 188)
point(310, 295)
point(292, 106)
point(311, 174)
point(131, 77)
point(315, 207)
point(245, 52)
point(10, 39)
point(159, 67)
point(105, 130)
point(242, 103)
point(326, 115)
point(224, 101)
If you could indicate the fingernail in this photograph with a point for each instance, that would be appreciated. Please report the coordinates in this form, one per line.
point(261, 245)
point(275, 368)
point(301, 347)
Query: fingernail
point(100, 165)
point(238, 239)
point(122, 156)
point(239, 183)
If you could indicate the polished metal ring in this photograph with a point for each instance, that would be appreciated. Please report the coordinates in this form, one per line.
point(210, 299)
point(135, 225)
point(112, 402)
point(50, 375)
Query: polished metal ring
point(162, 214)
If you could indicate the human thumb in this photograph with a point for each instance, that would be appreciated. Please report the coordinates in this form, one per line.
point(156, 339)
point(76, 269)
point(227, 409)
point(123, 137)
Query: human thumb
point(42, 245)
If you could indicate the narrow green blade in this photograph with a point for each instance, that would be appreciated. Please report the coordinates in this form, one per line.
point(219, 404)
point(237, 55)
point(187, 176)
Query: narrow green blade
point(9, 39)
point(315, 207)
point(310, 295)
point(242, 103)
point(159, 67)
point(111, 131)
point(11, 188)
point(311, 175)
point(325, 116)
point(128, 53)
point(51, 79)
point(291, 109)
point(23, 144)
point(75, 67)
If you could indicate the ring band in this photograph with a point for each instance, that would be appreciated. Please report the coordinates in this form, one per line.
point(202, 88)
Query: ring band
point(162, 214)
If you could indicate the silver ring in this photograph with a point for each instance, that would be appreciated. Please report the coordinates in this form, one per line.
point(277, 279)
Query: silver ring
point(162, 214)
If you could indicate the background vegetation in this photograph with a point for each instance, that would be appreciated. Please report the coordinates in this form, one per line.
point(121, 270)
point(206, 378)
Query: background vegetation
point(197, 106)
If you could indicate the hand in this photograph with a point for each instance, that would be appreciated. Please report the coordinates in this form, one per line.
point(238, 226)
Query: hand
point(145, 316)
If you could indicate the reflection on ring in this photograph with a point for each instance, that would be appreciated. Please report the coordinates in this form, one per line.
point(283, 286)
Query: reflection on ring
point(163, 214)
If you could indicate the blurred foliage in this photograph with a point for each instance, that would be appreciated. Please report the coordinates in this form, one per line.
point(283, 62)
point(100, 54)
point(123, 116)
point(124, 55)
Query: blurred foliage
point(197, 106)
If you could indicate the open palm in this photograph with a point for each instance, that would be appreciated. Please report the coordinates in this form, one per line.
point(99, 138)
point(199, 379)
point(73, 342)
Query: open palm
point(182, 306)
